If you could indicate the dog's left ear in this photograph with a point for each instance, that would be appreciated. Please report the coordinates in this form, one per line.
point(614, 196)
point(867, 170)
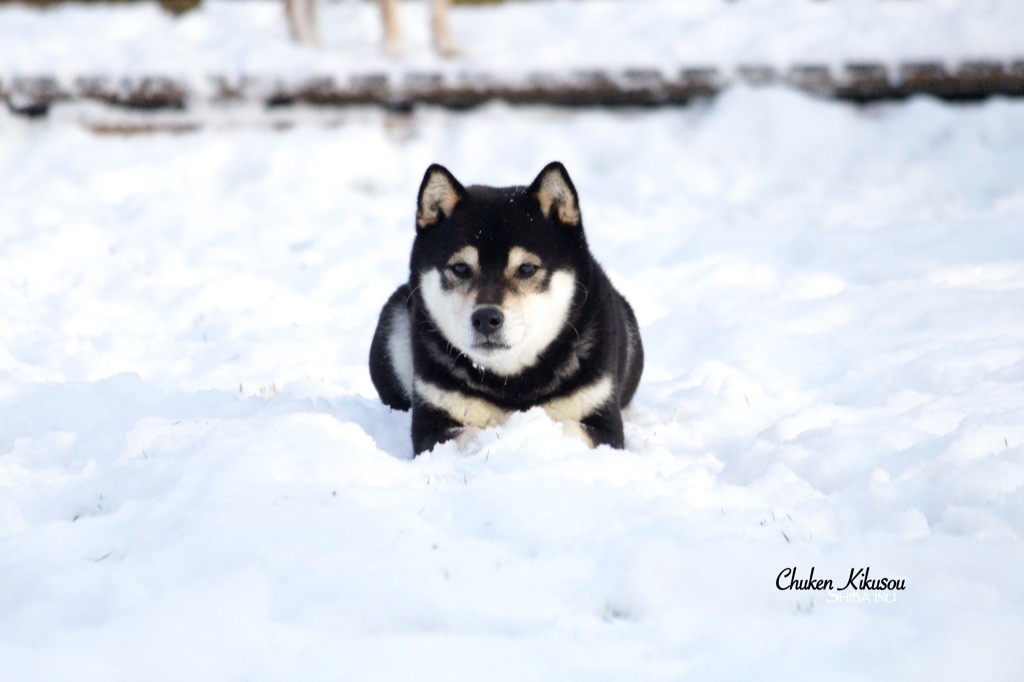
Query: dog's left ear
point(556, 195)
point(439, 194)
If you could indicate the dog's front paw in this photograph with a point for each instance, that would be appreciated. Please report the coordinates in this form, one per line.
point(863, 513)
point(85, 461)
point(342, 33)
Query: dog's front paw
point(574, 429)
point(465, 436)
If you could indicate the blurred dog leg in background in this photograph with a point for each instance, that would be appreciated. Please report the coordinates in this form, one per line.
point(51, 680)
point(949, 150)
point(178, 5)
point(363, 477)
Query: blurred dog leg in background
point(304, 27)
point(302, 21)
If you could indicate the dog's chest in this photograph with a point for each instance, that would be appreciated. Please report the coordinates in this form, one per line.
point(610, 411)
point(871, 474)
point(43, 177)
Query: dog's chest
point(474, 411)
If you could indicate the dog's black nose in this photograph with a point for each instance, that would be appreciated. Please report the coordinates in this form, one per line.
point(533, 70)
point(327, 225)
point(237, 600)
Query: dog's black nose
point(487, 319)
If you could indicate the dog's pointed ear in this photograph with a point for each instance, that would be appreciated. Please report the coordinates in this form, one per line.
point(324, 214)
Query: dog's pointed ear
point(439, 194)
point(557, 195)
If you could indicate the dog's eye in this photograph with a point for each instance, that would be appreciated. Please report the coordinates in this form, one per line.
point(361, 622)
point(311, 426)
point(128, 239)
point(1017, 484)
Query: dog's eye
point(526, 271)
point(461, 270)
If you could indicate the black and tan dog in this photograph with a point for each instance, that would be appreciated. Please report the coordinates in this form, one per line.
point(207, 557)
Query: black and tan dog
point(505, 309)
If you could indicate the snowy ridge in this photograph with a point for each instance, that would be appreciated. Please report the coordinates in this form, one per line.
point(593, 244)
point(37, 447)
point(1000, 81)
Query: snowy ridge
point(197, 481)
point(598, 52)
point(858, 82)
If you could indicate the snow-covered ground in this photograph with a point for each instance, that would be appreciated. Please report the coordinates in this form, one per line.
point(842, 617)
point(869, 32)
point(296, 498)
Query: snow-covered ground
point(510, 40)
point(198, 482)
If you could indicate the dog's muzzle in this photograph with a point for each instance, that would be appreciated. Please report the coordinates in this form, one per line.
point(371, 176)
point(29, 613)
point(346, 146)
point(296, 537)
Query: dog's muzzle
point(487, 321)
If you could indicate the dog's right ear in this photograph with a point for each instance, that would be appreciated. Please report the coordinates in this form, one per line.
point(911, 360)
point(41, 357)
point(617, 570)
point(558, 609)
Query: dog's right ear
point(556, 195)
point(440, 193)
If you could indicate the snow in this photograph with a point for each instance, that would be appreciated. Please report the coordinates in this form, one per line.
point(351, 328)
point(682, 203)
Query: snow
point(197, 480)
point(511, 40)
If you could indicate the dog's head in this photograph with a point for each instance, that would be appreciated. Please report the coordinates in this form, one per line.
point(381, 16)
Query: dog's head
point(497, 268)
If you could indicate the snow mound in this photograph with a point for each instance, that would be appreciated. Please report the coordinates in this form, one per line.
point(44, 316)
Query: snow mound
point(197, 480)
